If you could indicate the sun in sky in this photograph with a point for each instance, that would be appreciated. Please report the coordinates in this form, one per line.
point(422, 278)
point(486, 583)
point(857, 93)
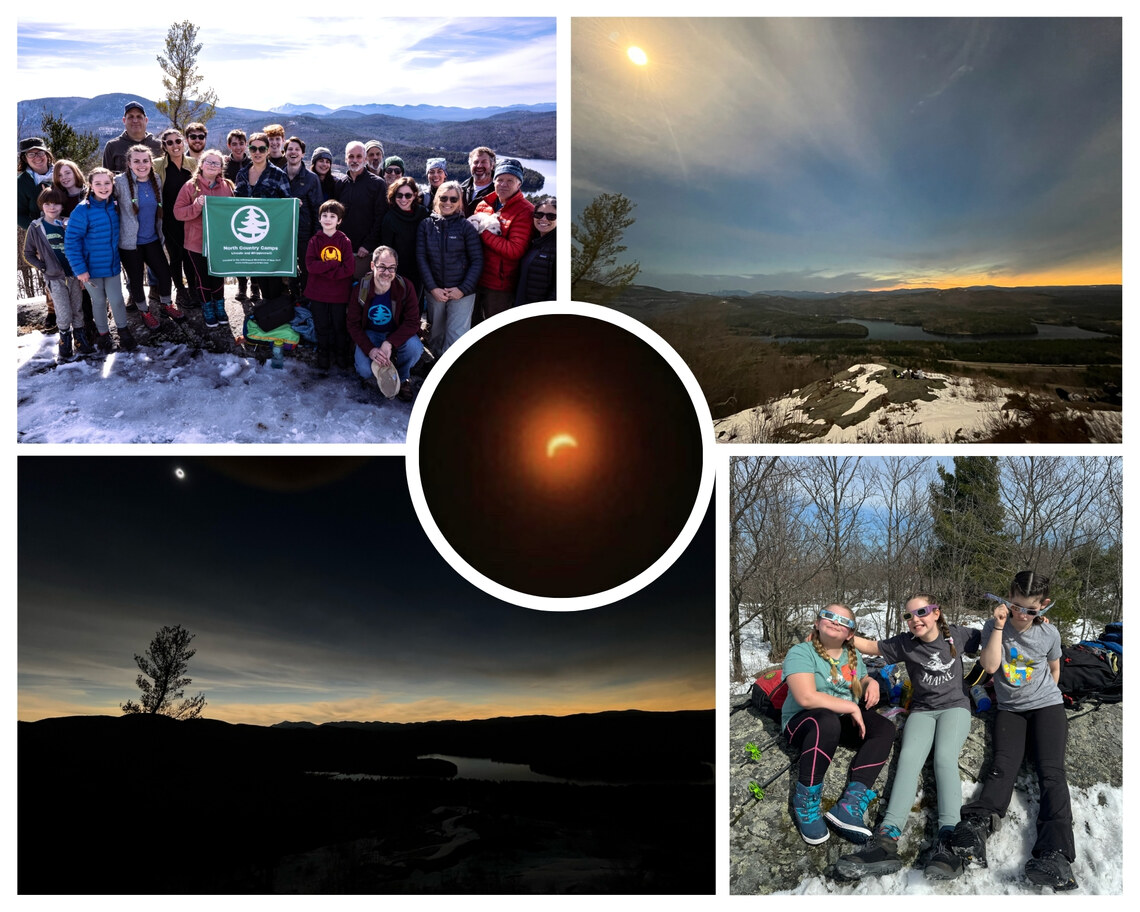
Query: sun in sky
point(637, 55)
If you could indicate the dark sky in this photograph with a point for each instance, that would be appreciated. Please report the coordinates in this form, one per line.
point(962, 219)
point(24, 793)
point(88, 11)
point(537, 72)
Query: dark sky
point(560, 520)
point(314, 594)
point(842, 154)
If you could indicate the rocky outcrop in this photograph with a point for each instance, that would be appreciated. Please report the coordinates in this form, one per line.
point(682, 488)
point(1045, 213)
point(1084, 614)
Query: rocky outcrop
point(766, 853)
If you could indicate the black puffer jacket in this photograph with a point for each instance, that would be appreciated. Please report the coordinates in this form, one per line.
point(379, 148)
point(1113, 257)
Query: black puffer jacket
point(449, 253)
point(537, 270)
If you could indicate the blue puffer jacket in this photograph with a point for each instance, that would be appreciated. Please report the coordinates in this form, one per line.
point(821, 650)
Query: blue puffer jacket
point(91, 243)
point(449, 252)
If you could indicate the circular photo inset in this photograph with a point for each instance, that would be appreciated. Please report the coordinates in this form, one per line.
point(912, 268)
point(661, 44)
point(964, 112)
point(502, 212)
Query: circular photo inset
point(557, 456)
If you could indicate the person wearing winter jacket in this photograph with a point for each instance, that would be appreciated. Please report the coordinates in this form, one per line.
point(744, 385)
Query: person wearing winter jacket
point(305, 186)
point(450, 257)
point(502, 252)
point(44, 249)
point(262, 179)
point(174, 168)
point(400, 227)
point(91, 245)
point(384, 321)
point(537, 267)
point(138, 193)
point(207, 181)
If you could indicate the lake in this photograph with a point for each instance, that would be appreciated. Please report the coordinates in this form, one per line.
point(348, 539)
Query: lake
point(888, 331)
point(548, 168)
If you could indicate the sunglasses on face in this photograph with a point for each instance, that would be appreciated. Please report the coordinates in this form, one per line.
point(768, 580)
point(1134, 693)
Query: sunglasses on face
point(196, 135)
point(1030, 612)
point(840, 619)
point(549, 216)
point(918, 612)
point(176, 141)
point(259, 148)
point(405, 196)
point(449, 199)
point(393, 170)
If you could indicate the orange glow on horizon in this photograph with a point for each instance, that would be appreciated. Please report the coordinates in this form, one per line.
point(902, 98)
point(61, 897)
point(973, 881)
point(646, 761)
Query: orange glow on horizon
point(1090, 275)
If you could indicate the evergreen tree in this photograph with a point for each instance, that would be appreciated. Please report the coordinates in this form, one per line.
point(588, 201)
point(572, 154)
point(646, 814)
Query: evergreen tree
point(64, 142)
point(185, 102)
point(164, 663)
point(596, 245)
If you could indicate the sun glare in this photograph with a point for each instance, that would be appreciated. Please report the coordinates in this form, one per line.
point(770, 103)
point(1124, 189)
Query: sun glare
point(638, 56)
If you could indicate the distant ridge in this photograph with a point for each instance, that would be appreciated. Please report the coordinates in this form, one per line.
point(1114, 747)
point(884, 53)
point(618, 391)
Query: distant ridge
point(412, 112)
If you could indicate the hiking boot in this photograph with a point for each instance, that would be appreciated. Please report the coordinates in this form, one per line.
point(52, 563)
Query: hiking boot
point(126, 340)
point(210, 313)
point(105, 343)
point(943, 864)
point(65, 351)
point(81, 341)
point(323, 359)
point(848, 814)
point(241, 295)
point(969, 838)
point(805, 806)
point(150, 320)
point(174, 312)
point(1051, 870)
point(406, 394)
point(881, 856)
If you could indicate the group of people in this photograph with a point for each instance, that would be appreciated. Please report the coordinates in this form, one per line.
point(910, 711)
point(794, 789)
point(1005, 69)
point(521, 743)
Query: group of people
point(460, 252)
point(831, 699)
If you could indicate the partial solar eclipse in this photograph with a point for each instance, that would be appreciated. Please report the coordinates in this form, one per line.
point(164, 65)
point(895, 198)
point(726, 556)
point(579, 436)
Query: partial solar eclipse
point(638, 56)
point(557, 442)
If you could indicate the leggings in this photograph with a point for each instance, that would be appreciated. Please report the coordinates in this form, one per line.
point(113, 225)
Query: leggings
point(817, 732)
point(946, 729)
point(1047, 729)
point(151, 254)
point(210, 287)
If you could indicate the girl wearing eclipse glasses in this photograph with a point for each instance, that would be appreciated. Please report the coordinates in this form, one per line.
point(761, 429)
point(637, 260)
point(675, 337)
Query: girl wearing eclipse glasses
point(826, 681)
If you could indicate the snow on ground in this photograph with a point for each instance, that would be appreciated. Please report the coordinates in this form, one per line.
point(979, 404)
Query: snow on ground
point(1098, 813)
point(174, 394)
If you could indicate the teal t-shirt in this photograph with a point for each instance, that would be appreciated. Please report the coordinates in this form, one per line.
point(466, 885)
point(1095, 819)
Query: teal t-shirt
point(803, 658)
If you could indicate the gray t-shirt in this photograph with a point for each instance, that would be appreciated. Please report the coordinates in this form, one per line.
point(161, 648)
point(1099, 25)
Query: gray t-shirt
point(1023, 681)
point(936, 678)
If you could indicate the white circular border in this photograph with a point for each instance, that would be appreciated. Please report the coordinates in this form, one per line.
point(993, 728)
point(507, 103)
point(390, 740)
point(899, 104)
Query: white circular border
point(549, 603)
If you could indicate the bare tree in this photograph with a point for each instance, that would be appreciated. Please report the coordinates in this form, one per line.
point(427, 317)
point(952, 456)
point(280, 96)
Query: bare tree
point(837, 490)
point(164, 663)
point(904, 523)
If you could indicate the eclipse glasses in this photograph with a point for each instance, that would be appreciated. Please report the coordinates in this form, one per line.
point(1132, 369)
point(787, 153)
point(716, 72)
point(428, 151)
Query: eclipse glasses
point(1032, 612)
point(840, 619)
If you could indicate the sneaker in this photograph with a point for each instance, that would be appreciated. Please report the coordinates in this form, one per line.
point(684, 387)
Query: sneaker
point(105, 343)
point(1051, 870)
point(209, 313)
point(848, 814)
point(126, 340)
point(881, 856)
point(805, 808)
point(943, 864)
point(150, 320)
point(220, 313)
point(174, 312)
point(969, 838)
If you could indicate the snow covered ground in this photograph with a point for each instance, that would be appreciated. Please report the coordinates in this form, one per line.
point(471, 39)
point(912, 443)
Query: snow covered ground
point(1098, 823)
point(172, 393)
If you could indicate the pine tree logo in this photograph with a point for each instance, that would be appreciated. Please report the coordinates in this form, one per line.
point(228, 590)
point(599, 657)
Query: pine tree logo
point(249, 224)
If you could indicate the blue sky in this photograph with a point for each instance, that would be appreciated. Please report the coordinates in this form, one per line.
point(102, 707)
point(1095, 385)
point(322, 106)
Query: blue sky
point(841, 154)
point(285, 57)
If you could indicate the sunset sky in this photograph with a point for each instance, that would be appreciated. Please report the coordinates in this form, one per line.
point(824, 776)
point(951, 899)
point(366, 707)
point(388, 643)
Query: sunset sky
point(315, 595)
point(299, 55)
point(844, 154)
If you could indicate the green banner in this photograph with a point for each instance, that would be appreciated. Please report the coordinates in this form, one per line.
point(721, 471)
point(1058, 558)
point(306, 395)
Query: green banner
point(250, 237)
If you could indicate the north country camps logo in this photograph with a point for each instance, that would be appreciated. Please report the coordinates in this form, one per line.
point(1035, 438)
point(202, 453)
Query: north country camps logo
point(249, 224)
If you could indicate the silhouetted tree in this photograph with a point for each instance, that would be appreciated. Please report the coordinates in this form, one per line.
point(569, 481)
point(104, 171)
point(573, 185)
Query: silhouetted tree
point(597, 243)
point(185, 102)
point(165, 663)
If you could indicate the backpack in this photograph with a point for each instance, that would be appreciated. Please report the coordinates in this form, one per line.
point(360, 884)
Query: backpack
point(1090, 672)
point(769, 691)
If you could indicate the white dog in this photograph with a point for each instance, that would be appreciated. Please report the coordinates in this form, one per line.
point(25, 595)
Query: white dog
point(486, 221)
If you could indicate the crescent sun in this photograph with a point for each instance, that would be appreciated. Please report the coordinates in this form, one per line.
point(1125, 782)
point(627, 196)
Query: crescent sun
point(557, 442)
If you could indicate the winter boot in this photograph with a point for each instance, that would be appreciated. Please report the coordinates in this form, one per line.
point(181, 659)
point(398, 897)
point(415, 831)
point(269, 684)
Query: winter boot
point(970, 835)
point(323, 359)
point(81, 341)
point(848, 814)
point(65, 351)
point(209, 314)
point(105, 343)
point(943, 864)
point(805, 806)
point(881, 856)
point(126, 339)
point(1051, 870)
